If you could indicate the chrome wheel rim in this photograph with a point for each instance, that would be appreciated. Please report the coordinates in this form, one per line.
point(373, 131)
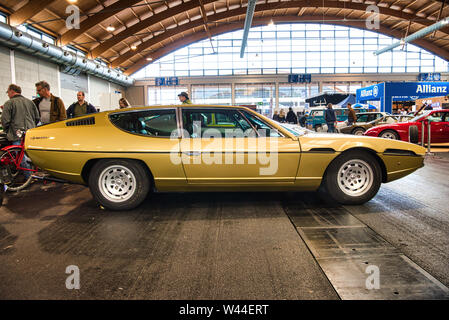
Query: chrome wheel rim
point(388, 135)
point(355, 177)
point(358, 133)
point(117, 183)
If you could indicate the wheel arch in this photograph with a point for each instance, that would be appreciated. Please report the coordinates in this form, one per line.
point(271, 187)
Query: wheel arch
point(367, 150)
point(90, 163)
point(396, 132)
point(357, 128)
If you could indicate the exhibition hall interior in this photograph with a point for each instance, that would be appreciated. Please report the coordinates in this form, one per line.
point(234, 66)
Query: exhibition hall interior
point(224, 150)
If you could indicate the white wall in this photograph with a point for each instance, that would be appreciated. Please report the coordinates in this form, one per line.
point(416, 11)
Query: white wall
point(5, 73)
point(30, 69)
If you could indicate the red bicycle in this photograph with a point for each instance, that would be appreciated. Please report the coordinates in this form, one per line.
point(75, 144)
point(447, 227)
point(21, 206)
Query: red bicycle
point(12, 175)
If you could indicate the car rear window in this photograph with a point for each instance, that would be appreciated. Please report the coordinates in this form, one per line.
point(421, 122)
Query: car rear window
point(153, 123)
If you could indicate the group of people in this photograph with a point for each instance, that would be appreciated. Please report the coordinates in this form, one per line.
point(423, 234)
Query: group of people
point(289, 118)
point(329, 116)
point(21, 113)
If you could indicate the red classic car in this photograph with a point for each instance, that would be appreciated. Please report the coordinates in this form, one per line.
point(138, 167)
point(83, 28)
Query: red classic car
point(439, 126)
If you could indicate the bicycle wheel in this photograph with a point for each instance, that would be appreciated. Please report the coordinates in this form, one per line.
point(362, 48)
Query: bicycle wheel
point(14, 178)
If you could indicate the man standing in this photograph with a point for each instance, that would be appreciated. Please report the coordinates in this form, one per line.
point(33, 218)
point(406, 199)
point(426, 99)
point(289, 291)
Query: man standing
point(19, 115)
point(184, 98)
point(80, 108)
point(50, 108)
point(330, 118)
point(352, 117)
point(291, 116)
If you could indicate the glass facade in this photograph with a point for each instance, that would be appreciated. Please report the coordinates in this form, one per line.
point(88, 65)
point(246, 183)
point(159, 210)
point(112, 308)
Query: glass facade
point(216, 94)
point(294, 48)
point(164, 95)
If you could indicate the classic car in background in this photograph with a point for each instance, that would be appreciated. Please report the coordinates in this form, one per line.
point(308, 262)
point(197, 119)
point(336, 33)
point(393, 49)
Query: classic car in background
point(439, 126)
point(360, 126)
point(123, 154)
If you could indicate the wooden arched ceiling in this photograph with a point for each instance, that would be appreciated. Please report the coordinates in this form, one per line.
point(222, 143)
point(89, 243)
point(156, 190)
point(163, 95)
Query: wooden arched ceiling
point(155, 28)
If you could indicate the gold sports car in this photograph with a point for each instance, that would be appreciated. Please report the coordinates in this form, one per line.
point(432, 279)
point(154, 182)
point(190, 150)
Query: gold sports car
point(123, 154)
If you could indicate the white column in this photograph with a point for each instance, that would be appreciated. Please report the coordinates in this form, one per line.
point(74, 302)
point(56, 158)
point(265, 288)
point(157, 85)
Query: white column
point(276, 105)
point(145, 96)
point(58, 73)
point(88, 88)
point(233, 93)
point(13, 66)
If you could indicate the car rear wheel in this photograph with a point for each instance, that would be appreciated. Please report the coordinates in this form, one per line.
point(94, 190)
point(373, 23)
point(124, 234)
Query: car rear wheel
point(353, 178)
point(389, 134)
point(119, 184)
point(358, 131)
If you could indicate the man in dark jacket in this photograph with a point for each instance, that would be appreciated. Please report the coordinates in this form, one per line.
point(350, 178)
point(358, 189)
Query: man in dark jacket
point(291, 116)
point(81, 107)
point(19, 115)
point(50, 108)
point(330, 118)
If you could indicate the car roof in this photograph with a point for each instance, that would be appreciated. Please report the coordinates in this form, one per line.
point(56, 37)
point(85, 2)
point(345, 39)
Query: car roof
point(184, 106)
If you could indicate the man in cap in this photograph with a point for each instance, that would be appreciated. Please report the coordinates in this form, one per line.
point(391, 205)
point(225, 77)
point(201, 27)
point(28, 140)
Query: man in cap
point(184, 98)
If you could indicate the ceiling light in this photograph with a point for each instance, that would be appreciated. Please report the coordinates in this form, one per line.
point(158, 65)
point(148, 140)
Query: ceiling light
point(271, 23)
point(72, 1)
point(110, 28)
point(149, 59)
point(133, 48)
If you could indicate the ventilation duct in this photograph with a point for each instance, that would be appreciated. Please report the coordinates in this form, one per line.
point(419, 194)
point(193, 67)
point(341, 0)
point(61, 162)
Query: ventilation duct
point(16, 39)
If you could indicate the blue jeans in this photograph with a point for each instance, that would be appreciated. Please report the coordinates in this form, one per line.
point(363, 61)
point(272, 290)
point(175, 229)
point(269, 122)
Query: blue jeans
point(330, 127)
point(25, 161)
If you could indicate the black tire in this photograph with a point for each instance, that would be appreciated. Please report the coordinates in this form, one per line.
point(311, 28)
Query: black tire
point(413, 134)
point(335, 182)
point(389, 134)
point(316, 127)
point(14, 179)
point(127, 177)
point(358, 131)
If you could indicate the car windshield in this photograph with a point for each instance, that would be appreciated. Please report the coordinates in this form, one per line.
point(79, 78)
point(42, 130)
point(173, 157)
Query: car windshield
point(294, 129)
point(424, 114)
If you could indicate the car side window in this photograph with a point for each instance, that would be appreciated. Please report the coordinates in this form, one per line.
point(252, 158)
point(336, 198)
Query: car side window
point(436, 117)
point(362, 118)
point(262, 128)
point(153, 123)
point(216, 122)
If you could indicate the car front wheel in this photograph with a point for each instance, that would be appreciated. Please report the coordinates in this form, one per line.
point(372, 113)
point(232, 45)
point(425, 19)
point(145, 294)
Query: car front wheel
point(353, 178)
point(389, 134)
point(119, 184)
point(358, 131)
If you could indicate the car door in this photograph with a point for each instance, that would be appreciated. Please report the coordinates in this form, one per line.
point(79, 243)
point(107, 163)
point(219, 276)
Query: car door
point(438, 127)
point(153, 137)
point(223, 146)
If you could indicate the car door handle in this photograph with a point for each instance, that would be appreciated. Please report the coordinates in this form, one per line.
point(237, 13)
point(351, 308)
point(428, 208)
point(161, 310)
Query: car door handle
point(192, 153)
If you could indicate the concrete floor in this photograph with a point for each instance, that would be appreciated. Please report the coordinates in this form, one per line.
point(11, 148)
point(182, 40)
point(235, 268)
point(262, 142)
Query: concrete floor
point(206, 246)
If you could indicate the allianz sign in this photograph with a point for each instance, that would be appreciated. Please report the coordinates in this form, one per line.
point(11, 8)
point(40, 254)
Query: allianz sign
point(370, 92)
point(428, 88)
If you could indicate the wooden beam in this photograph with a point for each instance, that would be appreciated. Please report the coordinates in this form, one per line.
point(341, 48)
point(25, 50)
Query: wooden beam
point(95, 19)
point(226, 14)
point(138, 27)
point(286, 19)
point(28, 11)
